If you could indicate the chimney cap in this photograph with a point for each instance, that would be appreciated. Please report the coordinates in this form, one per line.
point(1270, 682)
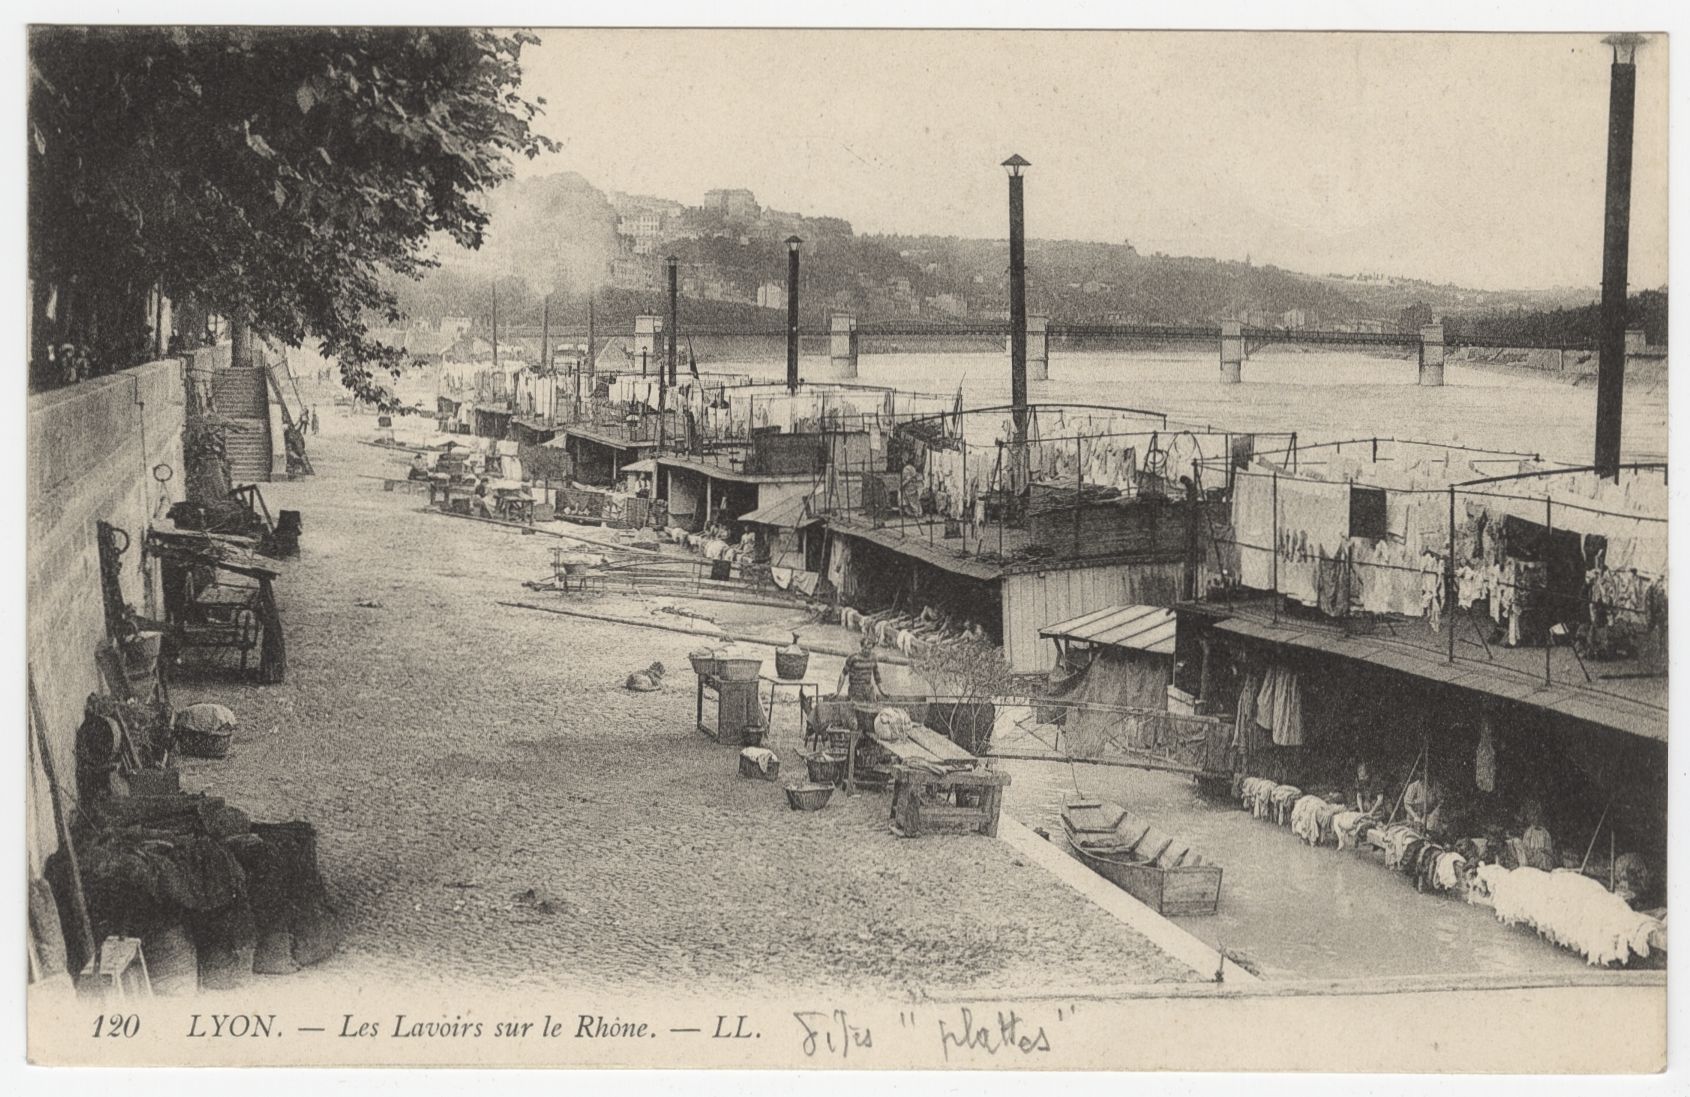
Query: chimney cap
point(1625, 47)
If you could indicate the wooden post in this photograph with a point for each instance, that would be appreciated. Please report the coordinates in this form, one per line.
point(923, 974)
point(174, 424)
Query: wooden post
point(1450, 599)
point(1549, 634)
point(1274, 547)
point(78, 901)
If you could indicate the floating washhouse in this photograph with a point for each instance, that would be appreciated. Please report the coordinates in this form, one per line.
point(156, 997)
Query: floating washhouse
point(956, 515)
point(1491, 619)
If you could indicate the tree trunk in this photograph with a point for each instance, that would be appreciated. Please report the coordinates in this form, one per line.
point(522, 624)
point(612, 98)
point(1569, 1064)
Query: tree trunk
point(240, 342)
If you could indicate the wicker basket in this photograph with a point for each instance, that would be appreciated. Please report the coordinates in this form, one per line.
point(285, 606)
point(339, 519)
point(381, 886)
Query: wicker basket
point(826, 767)
point(706, 666)
point(740, 670)
point(790, 666)
point(809, 797)
point(749, 768)
point(204, 744)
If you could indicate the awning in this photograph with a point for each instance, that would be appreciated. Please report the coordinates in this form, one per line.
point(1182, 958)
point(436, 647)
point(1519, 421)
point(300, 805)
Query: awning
point(1603, 707)
point(644, 465)
point(1143, 628)
point(787, 514)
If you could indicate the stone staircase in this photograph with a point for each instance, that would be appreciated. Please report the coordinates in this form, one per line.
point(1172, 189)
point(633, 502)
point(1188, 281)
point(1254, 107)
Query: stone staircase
point(242, 396)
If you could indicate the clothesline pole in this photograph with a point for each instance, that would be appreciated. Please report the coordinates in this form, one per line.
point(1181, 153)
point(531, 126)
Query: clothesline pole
point(1079, 487)
point(1274, 550)
point(1549, 627)
point(1401, 796)
point(1593, 834)
point(1451, 601)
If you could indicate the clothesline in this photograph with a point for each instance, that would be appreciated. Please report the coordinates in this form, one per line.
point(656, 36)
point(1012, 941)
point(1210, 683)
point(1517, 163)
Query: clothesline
point(1443, 557)
point(1500, 454)
point(1460, 492)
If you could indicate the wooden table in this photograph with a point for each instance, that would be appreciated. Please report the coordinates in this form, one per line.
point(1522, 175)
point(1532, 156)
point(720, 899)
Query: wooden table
point(939, 788)
point(805, 691)
point(515, 507)
point(738, 715)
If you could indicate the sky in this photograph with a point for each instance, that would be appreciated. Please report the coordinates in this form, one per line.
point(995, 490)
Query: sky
point(1466, 158)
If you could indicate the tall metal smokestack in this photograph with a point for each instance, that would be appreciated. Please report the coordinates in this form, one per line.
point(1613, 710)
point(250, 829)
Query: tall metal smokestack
point(1616, 246)
point(1017, 300)
point(673, 312)
point(546, 331)
point(792, 245)
point(592, 354)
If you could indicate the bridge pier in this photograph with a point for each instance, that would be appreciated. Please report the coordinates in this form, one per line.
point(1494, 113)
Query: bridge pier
point(1038, 348)
point(648, 343)
point(1232, 352)
point(1432, 355)
point(842, 347)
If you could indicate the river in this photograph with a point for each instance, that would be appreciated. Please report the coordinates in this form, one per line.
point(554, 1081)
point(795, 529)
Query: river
point(1322, 395)
point(1289, 910)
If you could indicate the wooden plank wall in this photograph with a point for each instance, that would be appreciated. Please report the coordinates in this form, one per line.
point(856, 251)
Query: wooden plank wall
point(1032, 600)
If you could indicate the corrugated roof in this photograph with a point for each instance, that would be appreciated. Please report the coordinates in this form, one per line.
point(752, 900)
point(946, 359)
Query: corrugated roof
point(1605, 709)
point(1142, 628)
point(937, 555)
point(786, 513)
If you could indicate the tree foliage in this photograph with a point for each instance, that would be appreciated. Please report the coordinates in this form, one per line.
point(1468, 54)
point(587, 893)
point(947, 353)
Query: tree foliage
point(270, 175)
point(1646, 310)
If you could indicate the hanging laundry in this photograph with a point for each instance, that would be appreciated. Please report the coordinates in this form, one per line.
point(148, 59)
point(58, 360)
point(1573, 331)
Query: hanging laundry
point(1484, 762)
point(1279, 707)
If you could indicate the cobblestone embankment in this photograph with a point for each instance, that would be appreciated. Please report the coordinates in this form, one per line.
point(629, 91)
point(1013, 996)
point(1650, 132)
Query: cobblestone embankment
point(496, 810)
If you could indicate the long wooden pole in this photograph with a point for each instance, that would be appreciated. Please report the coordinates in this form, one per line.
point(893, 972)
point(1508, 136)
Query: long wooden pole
point(78, 901)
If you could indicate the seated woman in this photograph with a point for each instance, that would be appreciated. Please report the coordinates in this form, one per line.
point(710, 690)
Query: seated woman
point(480, 504)
point(1423, 802)
point(1535, 846)
point(419, 468)
point(1368, 796)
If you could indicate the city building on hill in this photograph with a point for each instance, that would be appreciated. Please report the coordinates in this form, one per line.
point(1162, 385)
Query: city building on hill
point(638, 273)
point(735, 204)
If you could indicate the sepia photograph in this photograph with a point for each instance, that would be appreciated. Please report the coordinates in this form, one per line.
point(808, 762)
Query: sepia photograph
point(865, 549)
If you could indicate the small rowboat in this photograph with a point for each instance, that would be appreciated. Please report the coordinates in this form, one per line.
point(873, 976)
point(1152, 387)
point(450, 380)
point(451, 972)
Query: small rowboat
point(1158, 870)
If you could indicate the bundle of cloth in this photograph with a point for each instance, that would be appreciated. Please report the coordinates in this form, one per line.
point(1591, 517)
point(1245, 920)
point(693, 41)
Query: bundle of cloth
point(1570, 909)
point(1349, 827)
point(910, 633)
point(1284, 798)
point(1313, 819)
point(1400, 841)
point(1256, 794)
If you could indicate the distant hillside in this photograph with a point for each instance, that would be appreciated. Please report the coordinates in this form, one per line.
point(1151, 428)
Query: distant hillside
point(558, 235)
point(1646, 310)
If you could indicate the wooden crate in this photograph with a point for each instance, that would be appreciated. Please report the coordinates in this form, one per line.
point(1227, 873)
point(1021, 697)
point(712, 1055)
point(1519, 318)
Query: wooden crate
point(965, 802)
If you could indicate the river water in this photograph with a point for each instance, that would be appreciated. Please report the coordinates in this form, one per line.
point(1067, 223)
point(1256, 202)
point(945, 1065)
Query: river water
point(1288, 910)
point(1322, 395)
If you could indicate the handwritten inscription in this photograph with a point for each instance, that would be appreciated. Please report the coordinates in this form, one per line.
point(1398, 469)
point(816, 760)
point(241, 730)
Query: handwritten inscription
point(831, 1033)
point(1011, 1033)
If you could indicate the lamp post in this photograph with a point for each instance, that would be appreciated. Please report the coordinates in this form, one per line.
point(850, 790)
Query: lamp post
point(1017, 301)
point(1616, 243)
point(674, 297)
point(792, 245)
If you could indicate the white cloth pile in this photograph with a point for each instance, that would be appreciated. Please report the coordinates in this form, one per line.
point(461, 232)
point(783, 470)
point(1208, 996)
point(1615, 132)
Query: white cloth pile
point(1570, 909)
point(1312, 819)
point(1284, 797)
point(1256, 794)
